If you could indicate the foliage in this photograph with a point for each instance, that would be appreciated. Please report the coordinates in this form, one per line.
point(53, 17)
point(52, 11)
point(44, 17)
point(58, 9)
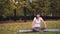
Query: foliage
point(45, 7)
point(6, 8)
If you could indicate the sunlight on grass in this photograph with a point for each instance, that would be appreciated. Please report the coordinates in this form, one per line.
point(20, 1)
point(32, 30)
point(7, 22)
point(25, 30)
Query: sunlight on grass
point(13, 28)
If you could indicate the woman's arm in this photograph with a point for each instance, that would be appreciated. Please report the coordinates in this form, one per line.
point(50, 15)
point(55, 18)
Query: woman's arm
point(44, 23)
point(32, 24)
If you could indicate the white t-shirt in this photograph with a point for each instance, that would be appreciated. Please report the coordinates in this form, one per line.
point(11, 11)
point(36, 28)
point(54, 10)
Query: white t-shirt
point(37, 22)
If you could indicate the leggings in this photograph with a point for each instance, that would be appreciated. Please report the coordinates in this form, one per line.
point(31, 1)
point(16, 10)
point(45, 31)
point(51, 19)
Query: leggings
point(38, 29)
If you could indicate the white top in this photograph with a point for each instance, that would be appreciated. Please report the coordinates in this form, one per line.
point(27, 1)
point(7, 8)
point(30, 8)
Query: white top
point(37, 22)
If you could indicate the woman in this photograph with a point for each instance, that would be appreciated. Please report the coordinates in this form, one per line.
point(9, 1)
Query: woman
point(36, 23)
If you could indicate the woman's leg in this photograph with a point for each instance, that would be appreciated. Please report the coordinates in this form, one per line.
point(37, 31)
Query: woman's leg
point(40, 29)
point(35, 29)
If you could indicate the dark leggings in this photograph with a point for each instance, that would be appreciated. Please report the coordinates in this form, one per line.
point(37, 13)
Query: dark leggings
point(38, 29)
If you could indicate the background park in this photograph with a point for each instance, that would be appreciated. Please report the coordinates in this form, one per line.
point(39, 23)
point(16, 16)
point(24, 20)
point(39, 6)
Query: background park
point(18, 14)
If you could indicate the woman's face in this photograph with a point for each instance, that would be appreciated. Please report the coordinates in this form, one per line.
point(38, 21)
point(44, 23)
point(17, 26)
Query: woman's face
point(37, 15)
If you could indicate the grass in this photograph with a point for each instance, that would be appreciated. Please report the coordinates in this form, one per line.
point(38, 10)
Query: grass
point(13, 28)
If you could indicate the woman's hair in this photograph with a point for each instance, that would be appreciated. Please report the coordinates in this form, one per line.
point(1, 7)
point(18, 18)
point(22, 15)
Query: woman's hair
point(37, 14)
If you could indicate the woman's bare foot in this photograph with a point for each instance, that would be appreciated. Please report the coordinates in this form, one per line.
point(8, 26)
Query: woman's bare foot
point(41, 31)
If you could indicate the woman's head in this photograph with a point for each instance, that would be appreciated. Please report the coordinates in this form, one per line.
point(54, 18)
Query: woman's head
point(37, 15)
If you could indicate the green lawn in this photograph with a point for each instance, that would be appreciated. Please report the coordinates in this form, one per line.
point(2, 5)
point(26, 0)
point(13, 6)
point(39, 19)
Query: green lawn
point(13, 28)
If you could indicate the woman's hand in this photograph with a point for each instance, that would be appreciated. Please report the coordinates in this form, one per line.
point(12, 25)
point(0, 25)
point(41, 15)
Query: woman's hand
point(32, 27)
point(45, 27)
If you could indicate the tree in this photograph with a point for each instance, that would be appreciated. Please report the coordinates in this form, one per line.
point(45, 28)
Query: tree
point(7, 8)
